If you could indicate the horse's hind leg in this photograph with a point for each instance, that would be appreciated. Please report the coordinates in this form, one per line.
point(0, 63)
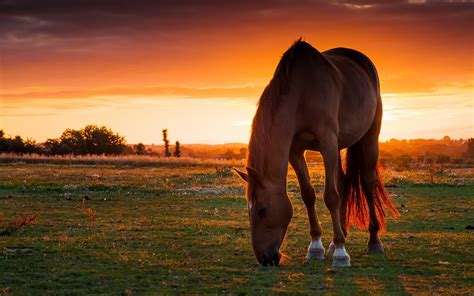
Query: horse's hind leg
point(341, 182)
point(369, 179)
point(332, 199)
point(315, 249)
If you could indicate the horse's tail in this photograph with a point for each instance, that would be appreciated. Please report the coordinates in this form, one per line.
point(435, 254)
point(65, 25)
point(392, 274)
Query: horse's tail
point(357, 193)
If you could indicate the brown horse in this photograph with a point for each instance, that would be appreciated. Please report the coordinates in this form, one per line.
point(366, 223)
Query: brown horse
point(322, 102)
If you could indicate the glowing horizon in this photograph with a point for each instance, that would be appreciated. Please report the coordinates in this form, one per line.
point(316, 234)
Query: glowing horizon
point(228, 116)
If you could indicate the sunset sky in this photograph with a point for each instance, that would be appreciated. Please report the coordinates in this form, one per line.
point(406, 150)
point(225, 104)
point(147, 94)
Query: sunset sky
point(199, 67)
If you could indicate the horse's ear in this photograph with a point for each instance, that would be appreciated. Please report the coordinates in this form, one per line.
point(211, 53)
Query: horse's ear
point(242, 175)
point(254, 175)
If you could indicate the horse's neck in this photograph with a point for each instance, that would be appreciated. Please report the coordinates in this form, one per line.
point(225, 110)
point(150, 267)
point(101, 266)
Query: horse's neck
point(273, 162)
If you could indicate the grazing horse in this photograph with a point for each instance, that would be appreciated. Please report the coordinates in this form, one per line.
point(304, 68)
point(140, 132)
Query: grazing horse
point(322, 102)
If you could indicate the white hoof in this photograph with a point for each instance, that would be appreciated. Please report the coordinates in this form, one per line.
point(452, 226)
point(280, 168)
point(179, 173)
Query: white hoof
point(331, 248)
point(341, 258)
point(315, 250)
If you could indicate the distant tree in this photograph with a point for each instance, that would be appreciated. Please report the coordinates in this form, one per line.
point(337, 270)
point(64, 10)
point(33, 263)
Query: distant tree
point(167, 143)
point(91, 139)
point(53, 147)
point(140, 149)
point(229, 154)
point(470, 148)
point(73, 142)
point(14, 145)
point(177, 149)
point(102, 140)
point(18, 145)
point(30, 146)
point(242, 153)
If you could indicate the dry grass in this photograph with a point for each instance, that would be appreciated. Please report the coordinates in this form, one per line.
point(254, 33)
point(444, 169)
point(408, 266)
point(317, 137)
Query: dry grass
point(135, 160)
point(17, 224)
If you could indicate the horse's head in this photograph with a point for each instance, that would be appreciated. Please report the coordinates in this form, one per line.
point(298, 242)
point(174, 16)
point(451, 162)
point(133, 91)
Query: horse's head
point(270, 212)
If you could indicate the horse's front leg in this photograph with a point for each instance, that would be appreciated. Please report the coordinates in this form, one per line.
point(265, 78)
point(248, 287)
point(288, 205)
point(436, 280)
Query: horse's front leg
point(332, 199)
point(315, 249)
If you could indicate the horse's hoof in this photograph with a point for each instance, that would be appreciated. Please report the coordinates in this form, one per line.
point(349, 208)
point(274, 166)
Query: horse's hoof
point(341, 261)
point(315, 254)
point(315, 250)
point(341, 258)
point(331, 248)
point(375, 248)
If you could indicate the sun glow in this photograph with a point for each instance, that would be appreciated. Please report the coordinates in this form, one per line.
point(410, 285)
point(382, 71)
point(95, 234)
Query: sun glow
point(140, 119)
point(223, 119)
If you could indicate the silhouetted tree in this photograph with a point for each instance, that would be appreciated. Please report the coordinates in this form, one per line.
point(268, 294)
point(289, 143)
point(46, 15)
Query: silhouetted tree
point(229, 154)
point(102, 140)
point(242, 153)
point(140, 149)
point(470, 148)
point(89, 140)
point(167, 143)
point(446, 139)
point(18, 145)
point(73, 142)
point(30, 146)
point(53, 146)
point(177, 149)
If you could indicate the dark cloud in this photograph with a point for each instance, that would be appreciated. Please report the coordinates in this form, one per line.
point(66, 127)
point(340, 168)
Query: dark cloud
point(38, 32)
point(66, 19)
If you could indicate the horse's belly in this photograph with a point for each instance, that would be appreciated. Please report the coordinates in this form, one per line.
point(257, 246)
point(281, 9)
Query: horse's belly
point(356, 116)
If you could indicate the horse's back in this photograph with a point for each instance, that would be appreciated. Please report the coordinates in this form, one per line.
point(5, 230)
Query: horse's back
point(359, 93)
point(357, 57)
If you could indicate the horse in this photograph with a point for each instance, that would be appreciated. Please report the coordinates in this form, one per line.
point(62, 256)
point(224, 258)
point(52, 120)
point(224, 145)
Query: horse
point(320, 101)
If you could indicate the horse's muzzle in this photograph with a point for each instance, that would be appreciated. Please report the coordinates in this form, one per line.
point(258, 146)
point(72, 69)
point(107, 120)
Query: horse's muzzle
point(271, 258)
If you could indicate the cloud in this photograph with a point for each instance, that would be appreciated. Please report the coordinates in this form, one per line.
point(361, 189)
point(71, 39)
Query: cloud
point(166, 92)
point(94, 44)
point(28, 20)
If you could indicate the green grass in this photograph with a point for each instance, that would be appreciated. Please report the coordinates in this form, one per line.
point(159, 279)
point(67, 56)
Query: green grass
point(178, 229)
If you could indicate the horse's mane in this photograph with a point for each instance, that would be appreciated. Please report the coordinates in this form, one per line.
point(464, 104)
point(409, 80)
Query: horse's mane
point(268, 105)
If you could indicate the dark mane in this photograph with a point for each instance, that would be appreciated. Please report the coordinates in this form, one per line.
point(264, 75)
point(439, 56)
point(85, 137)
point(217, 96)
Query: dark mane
point(268, 105)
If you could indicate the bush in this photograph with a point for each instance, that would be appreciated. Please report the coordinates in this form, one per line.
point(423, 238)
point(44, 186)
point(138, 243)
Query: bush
point(88, 140)
point(18, 145)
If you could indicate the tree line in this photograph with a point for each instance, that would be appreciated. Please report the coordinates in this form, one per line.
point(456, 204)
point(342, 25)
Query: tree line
point(102, 140)
point(90, 140)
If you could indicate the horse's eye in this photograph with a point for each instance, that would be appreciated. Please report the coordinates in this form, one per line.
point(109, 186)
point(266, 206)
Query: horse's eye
point(262, 212)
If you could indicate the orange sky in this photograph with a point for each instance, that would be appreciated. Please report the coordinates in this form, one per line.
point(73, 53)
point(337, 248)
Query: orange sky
point(198, 68)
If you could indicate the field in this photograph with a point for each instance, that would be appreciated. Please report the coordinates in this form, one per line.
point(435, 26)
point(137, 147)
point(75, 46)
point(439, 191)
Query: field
point(183, 228)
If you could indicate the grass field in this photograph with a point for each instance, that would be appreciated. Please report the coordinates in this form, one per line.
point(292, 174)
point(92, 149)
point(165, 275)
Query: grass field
point(172, 228)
